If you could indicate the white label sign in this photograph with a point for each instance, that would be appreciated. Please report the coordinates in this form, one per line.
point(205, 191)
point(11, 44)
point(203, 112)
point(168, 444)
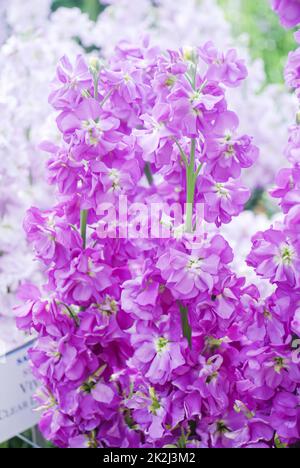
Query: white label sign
point(17, 387)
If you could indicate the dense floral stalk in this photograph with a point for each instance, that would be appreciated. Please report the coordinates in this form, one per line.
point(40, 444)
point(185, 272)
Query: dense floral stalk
point(150, 340)
point(33, 41)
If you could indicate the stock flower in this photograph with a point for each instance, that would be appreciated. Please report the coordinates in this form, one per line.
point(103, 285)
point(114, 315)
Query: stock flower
point(285, 416)
point(291, 71)
point(158, 351)
point(227, 295)
point(41, 36)
point(150, 341)
point(156, 135)
point(61, 359)
point(121, 177)
point(189, 272)
point(226, 153)
point(148, 411)
point(50, 237)
point(288, 11)
point(140, 295)
point(269, 369)
point(226, 68)
point(274, 257)
point(287, 189)
point(84, 278)
point(90, 125)
point(191, 104)
point(292, 149)
point(70, 82)
point(222, 201)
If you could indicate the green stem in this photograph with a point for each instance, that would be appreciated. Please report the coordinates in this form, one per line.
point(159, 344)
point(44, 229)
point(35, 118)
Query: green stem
point(92, 7)
point(148, 173)
point(191, 184)
point(105, 99)
point(84, 213)
point(72, 314)
point(96, 83)
point(186, 329)
point(83, 224)
point(182, 154)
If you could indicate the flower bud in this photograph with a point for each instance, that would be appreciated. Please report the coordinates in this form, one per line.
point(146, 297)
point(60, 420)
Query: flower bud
point(94, 65)
point(189, 54)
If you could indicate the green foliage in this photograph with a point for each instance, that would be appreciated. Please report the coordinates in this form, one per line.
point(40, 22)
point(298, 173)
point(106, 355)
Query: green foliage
point(32, 435)
point(267, 38)
point(92, 7)
point(16, 442)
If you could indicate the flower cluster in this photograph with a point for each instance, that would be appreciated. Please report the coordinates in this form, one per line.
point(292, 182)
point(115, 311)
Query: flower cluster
point(172, 24)
point(145, 341)
point(32, 43)
point(275, 253)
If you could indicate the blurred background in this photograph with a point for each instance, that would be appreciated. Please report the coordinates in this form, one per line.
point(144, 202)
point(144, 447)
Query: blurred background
point(29, 64)
point(267, 39)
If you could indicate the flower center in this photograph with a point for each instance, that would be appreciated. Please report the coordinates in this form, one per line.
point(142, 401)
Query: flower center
point(108, 307)
point(230, 152)
point(287, 255)
point(94, 130)
point(91, 269)
point(127, 78)
point(73, 82)
point(280, 364)
point(195, 97)
point(194, 265)
point(213, 344)
point(170, 81)
point(227, 136)
point(222, 428)
point(221, 190)
point(161, 344)
point(267, 314)
point(212, 377)
point(155, 405)
point(115, 177)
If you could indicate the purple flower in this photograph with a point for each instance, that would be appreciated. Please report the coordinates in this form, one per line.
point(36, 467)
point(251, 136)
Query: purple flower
point(155, 137)
point(288, 11)
point(148, 411)
point(292, 69)
point(158, 350)
point(274, 257)
point(154, 342)
point(51, 237)
point(226, 68)
point(91, 125)
point(122, 177)
point(70, 83)
point(226, 153)
point(84, 279)
point(187, 273)
point(285, 416)
point(222, 201)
